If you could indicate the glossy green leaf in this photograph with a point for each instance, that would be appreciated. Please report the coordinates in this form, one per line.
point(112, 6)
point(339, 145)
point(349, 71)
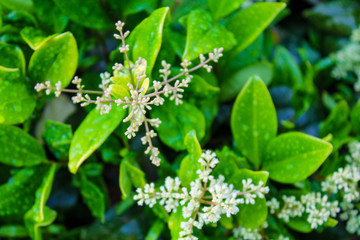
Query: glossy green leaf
point(58, 137)
point(18, 148)
point(93, 196)
point(250, 22)
point(355, 118)
point(90, 14)
point(190, 164)
point(251, 215)
point(337, 123)
point(40, 215)
point(55, 60)
point(15, 106)
point(223, 8)
point(91, 133)
point(18, 195)
point(13, 231)
point(136, 6)
point(231, 86)
point(299, 224)
point(33, 37)
point(12, 57)
point(287, 70)
point(34, 227)
point(145, 40)
point(292, 157)
point(203, 35)
point(253, 120)
point(155, 230)
point(177, 121)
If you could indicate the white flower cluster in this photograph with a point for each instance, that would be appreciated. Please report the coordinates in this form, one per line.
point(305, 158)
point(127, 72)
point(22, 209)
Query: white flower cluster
point(348, 60)
point(206, 200)
point(130, 88)
point(316, 206)
point(345, 181)
point(247, 233)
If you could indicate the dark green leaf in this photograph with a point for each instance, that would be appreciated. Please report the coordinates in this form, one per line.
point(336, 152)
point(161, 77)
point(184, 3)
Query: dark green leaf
point(50, 16)
point(251, 215)
point(16, 106)
point(18, 194)
point(253, 120)
point(355, 118)
point(18, 148)
point(12, 57)
point(93, 197)
point(58, 137)
point(90, 14)
point(177, 121)
point(190, 164)
point(13, 231)
point(155, 230)
point(203, 35)
point(233, 85)
point(337, 123)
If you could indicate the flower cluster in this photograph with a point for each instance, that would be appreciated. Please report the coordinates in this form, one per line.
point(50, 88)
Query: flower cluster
point(348, 60)
point(316, 206)
point(345, 182)
point(129, 87)
point(206, 200)
point(241, 233)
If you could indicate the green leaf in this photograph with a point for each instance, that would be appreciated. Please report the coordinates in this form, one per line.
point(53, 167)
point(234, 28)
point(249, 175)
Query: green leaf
point(174, 222)
point(155, 230)
point(51, 18)
point(18, 194)
point(91, 133)
point(22, 5)
point(253, 120)
point(299, 224)
point(292, 157)
point(130, 175)
point(287, 70)
point(203, 35)
point(90, 14)
point(58, 137)
point(250, 22)
point(34, 227)
point(331, 222)
point(55, 60)
point(12, 57)
point(177, 121)
point(200, 87)
point(18, 148)
point(33, 37)
point(16, 106)
point(355, 118)
point(229, 163)
point(223, 8)
point(231, 86)
point(93, 197)
point(251, 215)
point(337, 123)
point(145, 40)
point(190, 164)
point(136, 6)
point(40, 215)
point(13, 231)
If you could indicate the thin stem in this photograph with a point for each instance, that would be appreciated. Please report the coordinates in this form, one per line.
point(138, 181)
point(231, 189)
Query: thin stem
point(127, 58)
point(183, 73)
point(77, 91)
